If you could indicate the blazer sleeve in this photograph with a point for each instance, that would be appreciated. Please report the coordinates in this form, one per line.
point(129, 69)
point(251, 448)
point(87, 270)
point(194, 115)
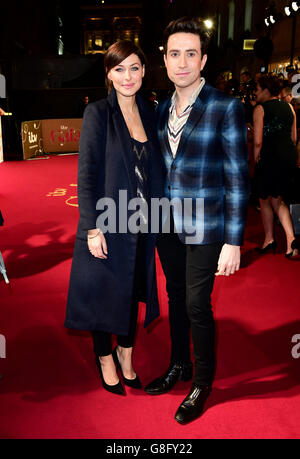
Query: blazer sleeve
point(236, 172)
point(91, 164)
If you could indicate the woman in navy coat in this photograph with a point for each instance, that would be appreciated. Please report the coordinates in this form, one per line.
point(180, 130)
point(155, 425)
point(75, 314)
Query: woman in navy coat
point(112, 271)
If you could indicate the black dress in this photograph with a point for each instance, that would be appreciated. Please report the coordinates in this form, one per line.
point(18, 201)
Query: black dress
point(278, 156)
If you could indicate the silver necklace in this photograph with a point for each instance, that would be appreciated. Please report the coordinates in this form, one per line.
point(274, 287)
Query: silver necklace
point(128, 117)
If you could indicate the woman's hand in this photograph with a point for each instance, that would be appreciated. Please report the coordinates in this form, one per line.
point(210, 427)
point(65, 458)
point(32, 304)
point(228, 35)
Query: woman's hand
point(97, 244)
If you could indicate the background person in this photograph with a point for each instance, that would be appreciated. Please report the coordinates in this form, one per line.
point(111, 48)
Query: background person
point(84, 101)
point(275, 156)
point(286, 94)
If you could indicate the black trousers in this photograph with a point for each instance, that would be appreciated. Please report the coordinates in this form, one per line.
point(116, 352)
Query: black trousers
point(102, 339)
point(172, 254)
point(201, 265)
point(190, 273)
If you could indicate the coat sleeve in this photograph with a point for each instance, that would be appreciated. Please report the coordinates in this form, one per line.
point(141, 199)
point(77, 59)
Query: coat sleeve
point(236, 172)
point(91, 164)
point(156, 164)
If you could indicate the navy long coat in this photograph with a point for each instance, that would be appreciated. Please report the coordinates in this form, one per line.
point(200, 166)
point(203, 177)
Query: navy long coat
point(100, 291)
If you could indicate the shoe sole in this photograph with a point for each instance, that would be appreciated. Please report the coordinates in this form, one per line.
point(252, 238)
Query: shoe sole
point(190, 420)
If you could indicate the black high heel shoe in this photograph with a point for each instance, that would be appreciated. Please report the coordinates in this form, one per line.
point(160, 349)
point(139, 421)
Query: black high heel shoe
point(271, 246)
point(117, 389)
point(134, 383)
point(295, 245)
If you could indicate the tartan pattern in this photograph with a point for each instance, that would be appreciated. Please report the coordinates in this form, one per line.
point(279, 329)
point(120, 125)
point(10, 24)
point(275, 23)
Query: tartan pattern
point(210, 163)
point(177, 123)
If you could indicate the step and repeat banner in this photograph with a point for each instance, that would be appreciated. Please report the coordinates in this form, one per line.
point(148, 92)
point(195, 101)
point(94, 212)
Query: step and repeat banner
point(32, 142)
point(50, 136)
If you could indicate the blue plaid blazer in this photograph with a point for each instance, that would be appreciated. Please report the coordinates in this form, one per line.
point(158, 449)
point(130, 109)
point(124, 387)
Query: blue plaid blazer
point(210, 169)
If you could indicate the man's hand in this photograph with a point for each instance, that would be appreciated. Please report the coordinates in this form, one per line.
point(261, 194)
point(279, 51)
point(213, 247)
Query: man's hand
point(229, 260)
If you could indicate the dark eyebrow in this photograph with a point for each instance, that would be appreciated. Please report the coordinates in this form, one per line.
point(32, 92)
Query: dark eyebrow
point(120, 65)
point(187, 50)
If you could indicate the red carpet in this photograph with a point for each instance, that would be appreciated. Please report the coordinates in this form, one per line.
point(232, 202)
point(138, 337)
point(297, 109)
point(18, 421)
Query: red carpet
point(50, 386)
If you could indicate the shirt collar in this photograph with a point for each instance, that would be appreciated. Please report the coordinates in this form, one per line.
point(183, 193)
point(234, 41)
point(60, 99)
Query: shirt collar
point(192, 98)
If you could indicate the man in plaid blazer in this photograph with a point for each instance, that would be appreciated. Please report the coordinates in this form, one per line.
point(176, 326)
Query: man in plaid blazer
point(202, 134)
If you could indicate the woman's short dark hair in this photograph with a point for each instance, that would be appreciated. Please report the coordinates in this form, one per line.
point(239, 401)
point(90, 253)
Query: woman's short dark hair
point(116, 54)
point(272, 83)
point(188, 25)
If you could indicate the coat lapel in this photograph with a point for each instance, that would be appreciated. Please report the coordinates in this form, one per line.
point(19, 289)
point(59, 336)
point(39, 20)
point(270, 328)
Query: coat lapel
point(162, 128)
point(147, 118)
point(194, 117)
point(122, 139)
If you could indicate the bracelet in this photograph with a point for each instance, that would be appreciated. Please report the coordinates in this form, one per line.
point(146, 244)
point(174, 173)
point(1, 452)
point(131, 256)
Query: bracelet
point(92, 237)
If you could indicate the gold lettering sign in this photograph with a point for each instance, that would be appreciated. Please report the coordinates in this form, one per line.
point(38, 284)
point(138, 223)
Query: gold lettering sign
point(71, 201)
point(61, 135)
point(57, 192)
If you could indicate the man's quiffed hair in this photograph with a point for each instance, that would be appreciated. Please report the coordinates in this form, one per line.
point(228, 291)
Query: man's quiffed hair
point(188, 25)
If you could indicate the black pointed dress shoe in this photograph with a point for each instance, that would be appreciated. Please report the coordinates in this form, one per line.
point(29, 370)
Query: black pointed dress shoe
point(134, 383)
point(295, 250)
point(175, 372)
point(271, 246)
point(192, 406)
point(117, 389)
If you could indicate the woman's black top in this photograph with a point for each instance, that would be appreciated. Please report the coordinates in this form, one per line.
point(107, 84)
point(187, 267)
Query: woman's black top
point(140, 159)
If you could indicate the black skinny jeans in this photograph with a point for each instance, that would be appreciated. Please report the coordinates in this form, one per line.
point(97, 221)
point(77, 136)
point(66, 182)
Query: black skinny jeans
point(190, 273)
point(202, 263)
point(172, 254)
